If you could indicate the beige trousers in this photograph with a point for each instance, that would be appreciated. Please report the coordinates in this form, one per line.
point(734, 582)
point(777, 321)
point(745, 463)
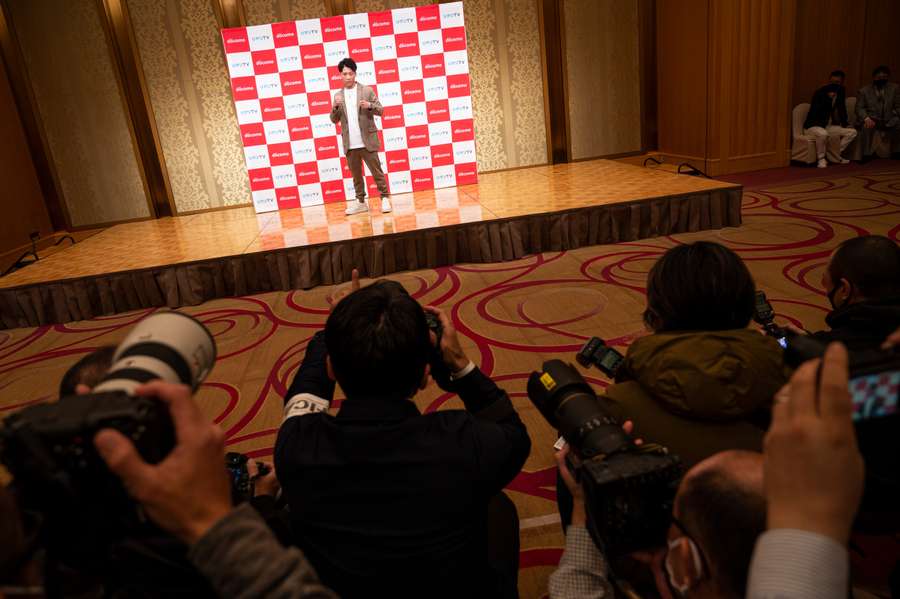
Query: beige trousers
point(355, 158)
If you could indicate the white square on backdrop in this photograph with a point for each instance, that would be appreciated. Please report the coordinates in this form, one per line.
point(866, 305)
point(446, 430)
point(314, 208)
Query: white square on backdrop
point(276, 132)
point(460, 108)
point(316, 80)
point(284, 176)
point(335, 52)
point(384, 47)
point(248, 111)
point(296, 105)
point(288, 58)
point(309, 31)
point(431, 41)
point(264, 200)
point(452, 15)
point(435, 88)
point(256, 157)
point(260, 37)
point(268, 86)
point(240, 64)
point(456, 62)
point(303, 150)
point(440, 133)
point(400, 182)
point(410, 68)
point(404, 20)
point(419, 158)
point(311, 195)
point(330, 169)
point(357, 26)
point(414, 114)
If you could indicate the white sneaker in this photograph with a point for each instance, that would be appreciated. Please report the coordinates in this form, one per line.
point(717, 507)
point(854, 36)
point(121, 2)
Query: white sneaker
point(356, 207)
point(822, 163)
point(385, 204)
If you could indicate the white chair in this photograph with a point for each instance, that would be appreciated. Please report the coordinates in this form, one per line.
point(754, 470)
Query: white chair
point(854, 150)
point(804, 147)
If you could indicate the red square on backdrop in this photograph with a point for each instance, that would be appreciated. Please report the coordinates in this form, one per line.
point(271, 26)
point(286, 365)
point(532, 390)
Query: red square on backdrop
point(417, 136)
point(432, 65)
point(428, 17)
point(441, 155)
point(462, 130)
point(360, 49)
point(285, 34)
point(392, 116)
point(307, 173)
point(260, 178)
point(335, 81)
point(437, 111)
point(386, 71)
point(397, 160)
point(280, 154)
point(333, 191)
point(422, 179)
point(264, 62)
point(454, 38)
point(381, 23)
point(253, 134)
point(287, 197)
point(458, 85)
point(333, 29)
point(235, 40)
point(300, 128)
point(292, 83)
point(243, 88)
point(466, 173)
point(412, 91)
point(326, 147)
point(312, 56)
point(319, 102)
point(345, 168)
point(272, 108)
point(407, 44)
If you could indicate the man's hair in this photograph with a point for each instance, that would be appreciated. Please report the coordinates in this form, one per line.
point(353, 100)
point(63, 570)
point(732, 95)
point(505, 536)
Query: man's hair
point(871, 263)
point(89, 370)
point(702, 286)
point(378, 342)
point(838, 73)
point(883, 68)
point(724, 515)
point(346, 62)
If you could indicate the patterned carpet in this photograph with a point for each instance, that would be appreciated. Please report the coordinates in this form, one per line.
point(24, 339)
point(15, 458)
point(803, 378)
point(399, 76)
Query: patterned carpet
point(511, 316)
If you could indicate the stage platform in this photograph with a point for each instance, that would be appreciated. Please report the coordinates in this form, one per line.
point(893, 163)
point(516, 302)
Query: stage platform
point(190, 259)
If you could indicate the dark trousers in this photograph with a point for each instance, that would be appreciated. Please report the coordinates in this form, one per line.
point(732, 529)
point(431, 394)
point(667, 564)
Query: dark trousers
point(355, 158)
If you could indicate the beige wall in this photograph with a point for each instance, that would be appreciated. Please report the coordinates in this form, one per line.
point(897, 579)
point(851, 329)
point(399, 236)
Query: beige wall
point(80, 106)
point(604, 77)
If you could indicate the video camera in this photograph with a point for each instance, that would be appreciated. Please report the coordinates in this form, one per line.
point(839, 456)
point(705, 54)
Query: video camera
point(49, 449)
point(629, 489)
point(764, 315)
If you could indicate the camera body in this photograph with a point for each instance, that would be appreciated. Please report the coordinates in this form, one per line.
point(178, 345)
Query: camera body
point(241, 481)
point(764, 315)
point(629, 489)
point(596, 353)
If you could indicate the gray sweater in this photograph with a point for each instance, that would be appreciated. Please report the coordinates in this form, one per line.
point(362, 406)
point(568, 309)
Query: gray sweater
point(242, 559)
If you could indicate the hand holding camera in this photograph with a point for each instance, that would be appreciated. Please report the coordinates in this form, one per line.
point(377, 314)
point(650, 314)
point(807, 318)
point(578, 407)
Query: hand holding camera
point(187, 492)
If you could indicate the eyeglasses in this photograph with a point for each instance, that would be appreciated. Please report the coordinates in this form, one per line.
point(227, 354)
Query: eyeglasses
point(700, 563)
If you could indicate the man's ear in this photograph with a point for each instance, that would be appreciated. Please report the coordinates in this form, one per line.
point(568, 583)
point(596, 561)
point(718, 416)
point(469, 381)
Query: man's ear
point(424, 382)
point(329, 369)
point(846, 288)
point(682, 560)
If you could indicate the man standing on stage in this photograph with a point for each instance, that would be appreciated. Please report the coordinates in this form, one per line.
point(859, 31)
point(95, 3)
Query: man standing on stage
point(355, 107)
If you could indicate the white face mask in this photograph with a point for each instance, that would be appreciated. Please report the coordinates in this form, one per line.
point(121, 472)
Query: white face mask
point(698, 565)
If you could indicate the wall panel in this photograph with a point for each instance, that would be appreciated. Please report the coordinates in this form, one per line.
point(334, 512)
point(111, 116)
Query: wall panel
point(262, 12)
point(603, 73)
point(82, 111)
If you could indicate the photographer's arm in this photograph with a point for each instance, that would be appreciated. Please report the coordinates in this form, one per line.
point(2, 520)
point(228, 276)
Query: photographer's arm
point(582, 571)
point(813, 481)
point(501, 439)
point(188, 494)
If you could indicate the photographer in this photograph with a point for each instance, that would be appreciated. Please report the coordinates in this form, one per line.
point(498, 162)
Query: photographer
point(813, 483)
point(862, 282)
point(188, 494)
point(719, 511)
point(382, 496)
point(702, 382)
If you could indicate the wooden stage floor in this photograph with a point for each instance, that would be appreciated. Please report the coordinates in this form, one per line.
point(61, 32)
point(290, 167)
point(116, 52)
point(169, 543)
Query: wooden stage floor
point(524, 211)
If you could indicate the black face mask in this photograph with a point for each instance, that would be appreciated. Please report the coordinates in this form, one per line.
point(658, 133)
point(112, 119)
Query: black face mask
point(880, 83)
point(833, 292)
point(833, 88)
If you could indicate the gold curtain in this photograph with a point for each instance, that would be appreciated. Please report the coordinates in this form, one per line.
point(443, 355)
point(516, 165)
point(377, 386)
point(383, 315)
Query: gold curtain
point(81, 109)
point(184, 66)
point(262, 12)
point(603, 75)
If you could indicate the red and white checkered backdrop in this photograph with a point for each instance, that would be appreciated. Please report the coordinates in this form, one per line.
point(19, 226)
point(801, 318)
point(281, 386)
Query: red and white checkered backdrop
point(283, 78)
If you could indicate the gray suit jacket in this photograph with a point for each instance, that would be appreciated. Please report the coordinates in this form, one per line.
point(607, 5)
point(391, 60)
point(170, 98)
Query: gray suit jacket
point(366, 117)
point(869, 105)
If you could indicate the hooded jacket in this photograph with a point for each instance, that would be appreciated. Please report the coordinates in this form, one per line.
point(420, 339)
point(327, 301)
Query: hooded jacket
point(700, 392)
point(864, 325)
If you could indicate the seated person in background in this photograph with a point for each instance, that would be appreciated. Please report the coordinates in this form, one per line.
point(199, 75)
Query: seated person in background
point(878, 113)
point(862, 281)
point(828, 116)
point(718, 513)
point(702, 382)
point(385, 499)
point(813, 476)
point(188, 494)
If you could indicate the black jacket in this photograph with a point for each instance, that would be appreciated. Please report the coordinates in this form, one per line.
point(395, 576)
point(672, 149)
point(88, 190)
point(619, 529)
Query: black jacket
point(820, 109)
point(862, 326)
point(387, 501)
